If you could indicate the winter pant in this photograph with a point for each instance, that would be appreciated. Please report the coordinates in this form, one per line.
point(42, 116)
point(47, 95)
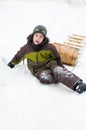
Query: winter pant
point(58, 74)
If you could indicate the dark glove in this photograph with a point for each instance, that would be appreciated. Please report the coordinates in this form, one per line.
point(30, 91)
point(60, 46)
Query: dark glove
point(10, 65)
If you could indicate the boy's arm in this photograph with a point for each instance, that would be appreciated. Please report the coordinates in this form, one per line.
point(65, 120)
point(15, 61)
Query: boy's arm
point(57, 55)
point(19, 56)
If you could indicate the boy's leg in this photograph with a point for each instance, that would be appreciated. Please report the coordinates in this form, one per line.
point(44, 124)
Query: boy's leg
point(46, 76)
point(64, 76)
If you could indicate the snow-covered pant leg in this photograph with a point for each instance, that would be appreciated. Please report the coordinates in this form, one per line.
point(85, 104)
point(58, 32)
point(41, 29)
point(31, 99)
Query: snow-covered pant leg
point(64, 76)
point(46, 76)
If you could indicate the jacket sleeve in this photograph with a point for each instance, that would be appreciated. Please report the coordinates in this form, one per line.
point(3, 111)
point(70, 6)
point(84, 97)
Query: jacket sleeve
point(19, 56)
point(57, 55)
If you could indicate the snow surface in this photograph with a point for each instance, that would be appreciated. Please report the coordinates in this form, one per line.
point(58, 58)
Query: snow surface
point(25, 103)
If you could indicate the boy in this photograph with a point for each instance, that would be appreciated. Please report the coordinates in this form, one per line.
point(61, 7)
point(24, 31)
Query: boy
point(44, 62)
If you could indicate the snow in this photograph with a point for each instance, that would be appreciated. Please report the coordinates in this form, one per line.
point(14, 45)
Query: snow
point(25, 103)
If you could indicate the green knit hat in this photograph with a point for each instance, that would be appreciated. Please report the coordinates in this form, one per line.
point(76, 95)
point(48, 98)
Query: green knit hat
point(40, 29)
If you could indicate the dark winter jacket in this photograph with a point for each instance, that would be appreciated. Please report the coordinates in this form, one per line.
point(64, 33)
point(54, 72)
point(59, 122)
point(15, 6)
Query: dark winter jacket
point(38, 57)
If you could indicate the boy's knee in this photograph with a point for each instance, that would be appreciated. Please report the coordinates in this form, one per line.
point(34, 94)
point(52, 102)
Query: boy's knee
point(46, 77)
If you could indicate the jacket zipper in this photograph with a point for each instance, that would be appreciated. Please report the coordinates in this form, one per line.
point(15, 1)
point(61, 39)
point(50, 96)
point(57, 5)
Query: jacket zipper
point(37, 58)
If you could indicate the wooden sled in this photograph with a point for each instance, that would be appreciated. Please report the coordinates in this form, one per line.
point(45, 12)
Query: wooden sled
point(69, 55)
point(70, 50)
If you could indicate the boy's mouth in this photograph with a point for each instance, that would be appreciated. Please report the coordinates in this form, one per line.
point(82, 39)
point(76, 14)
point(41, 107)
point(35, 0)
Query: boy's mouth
point(37, 41)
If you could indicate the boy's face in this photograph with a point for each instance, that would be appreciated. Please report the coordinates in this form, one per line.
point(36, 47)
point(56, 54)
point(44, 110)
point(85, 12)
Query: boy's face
point(38, 38)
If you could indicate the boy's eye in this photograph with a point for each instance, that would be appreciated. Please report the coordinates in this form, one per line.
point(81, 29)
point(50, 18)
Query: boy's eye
point(40, 36)
point(36, 35)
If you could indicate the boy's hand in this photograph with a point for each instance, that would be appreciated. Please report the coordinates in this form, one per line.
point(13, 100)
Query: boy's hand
point(10, 65)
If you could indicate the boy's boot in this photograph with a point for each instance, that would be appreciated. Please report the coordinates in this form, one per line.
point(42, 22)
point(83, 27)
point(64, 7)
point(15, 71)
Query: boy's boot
point(80, 87)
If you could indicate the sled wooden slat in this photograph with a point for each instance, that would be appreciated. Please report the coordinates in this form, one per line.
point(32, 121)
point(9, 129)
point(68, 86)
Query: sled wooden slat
point(73, 45)
point(77, 35)
point(77, 41)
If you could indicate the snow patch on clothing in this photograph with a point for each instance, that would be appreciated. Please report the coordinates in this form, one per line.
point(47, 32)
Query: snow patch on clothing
point(63, 72)
point(46, 76)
